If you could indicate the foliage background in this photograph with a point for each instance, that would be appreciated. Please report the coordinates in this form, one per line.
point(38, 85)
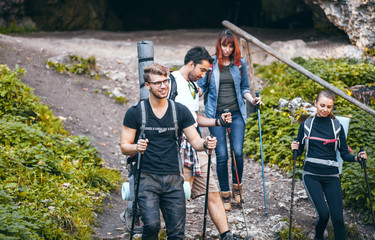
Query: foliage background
point(51, 183)
point(280, 126)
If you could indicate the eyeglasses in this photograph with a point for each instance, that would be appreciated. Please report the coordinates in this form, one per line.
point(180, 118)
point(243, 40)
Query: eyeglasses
point(159, 83)
point(193, 89)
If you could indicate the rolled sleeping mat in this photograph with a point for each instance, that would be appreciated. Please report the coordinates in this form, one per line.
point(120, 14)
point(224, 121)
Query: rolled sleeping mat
point(125, 191)
point(345, 124)
point(145, 51)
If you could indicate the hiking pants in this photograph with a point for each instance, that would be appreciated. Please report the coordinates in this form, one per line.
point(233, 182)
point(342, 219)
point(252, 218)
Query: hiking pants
point(317, 188)
point(163, 192)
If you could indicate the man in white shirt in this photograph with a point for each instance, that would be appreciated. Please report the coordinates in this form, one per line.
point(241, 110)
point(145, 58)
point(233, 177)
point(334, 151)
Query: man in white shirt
point(196, 64)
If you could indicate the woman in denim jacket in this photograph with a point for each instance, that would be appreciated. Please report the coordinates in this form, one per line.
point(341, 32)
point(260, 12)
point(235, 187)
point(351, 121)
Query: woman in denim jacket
point(226, 87)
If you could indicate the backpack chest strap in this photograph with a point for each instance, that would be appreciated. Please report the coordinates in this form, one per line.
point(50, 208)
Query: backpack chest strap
point(325, 141)
point(160, 129)
point(331, 163)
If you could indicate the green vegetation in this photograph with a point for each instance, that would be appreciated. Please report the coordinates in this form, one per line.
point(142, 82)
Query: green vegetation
point(77, 65)
point(51, 183)
point(296, 234)
point(13, 28)
point(280, 127)
point(369, 52)
point(120, 99)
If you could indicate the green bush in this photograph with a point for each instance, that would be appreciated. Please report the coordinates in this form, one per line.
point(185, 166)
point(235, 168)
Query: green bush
point(51, 183)
point(280, 127)
point(77, 65)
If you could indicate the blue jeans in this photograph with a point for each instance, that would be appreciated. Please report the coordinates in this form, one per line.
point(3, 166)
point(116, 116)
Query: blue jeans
point(238, 132)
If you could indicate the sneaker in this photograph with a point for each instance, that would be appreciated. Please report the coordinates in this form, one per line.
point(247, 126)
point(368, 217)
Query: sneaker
point(127, 217)
point(230, 236)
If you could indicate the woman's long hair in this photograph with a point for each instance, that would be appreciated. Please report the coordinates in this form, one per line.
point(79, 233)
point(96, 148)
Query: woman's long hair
point(228, 37)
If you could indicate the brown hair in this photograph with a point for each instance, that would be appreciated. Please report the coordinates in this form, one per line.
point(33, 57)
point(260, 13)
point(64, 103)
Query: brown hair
point(155, 69)
point(327, 94)
point(227, 36)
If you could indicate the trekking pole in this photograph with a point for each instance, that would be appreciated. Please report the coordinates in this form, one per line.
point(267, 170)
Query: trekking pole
point(292, 192)
point(134, 211)
point(229, 130)
point(363, 164)
point(206, 200)
point(261, 156)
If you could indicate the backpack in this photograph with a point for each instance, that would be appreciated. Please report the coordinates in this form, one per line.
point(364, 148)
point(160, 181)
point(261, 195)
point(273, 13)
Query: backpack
point(173, 91)
point(209, 72)
point(143, 128)
point(336, 126)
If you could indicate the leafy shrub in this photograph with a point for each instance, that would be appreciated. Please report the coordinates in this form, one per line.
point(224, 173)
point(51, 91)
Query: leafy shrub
point(14, 28)
point(296, 234)
point(78, 65)
point(280, 127)
point(51, 183)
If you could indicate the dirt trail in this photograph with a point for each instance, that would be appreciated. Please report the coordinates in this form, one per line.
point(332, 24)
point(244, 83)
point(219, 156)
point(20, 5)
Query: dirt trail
point(89, 112)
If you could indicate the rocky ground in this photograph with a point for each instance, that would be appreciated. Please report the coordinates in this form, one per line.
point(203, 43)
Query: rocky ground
point(86, 110)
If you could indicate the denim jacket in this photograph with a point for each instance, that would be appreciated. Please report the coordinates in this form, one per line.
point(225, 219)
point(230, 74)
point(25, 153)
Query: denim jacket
point(241, 85)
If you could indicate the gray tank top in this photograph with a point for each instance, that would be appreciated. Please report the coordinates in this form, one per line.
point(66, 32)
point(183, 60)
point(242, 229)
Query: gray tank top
point(227, 98)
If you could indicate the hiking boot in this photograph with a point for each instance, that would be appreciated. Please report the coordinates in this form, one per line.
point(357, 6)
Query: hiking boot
point(226, 196)
point(230, 236)
point(127, 217)
point(237, 193)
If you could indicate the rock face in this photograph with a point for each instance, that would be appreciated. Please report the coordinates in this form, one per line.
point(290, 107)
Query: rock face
point(13, 12)
point(355, 18)
point(59, 15)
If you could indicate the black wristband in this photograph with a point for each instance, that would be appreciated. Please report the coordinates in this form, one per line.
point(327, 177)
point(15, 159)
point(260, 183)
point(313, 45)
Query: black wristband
point(216, 122)
point(222, 122)
point(204, 145)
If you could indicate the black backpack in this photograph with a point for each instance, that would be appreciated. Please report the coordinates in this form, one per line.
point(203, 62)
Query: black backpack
point(173, 87)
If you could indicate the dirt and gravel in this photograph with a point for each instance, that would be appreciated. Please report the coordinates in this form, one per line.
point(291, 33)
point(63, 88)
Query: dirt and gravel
point(86, 110)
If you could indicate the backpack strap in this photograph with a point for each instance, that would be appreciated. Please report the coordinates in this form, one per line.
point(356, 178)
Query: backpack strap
point(306, 133)
point(173, 93)
point(209, 72)
point(175, 122)
point(336, 126)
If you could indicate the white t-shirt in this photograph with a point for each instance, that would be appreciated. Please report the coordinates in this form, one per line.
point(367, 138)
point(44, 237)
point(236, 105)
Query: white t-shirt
point(185, 95)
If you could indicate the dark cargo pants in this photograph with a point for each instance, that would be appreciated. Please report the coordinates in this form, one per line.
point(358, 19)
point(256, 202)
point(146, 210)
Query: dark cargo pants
point(167, 193)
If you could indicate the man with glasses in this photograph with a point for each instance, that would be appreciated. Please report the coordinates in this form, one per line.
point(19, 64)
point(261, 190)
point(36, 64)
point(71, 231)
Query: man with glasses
point(161, 185)
point(196, 64)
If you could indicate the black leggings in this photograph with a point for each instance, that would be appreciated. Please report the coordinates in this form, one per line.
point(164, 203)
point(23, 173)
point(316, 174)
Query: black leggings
point(317, 188)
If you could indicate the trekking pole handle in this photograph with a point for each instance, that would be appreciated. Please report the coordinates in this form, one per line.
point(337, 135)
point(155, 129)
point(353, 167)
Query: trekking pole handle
point(361, 160)
point(226, 111)
point(257, 95)
point(210, 150)
point(295, 150)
